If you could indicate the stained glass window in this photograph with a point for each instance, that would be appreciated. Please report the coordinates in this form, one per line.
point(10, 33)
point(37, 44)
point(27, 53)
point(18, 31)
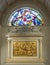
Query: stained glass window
point(25, 16)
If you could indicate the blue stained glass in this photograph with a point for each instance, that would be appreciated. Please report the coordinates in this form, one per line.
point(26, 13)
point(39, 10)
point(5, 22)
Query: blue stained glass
point(20, 22)
point(39, 22)
point(16, 14)
point(25, 16)
point(28, 16)
point(21, 11)
point(34, 22)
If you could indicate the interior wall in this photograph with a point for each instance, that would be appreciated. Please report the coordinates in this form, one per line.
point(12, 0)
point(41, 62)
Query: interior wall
point(45, 29)
point(0, 45)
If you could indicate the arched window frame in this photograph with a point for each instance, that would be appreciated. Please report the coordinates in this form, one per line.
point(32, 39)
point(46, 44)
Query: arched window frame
point(18, 19)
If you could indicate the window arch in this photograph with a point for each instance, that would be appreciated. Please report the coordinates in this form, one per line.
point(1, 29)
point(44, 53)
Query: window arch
point(25, 16)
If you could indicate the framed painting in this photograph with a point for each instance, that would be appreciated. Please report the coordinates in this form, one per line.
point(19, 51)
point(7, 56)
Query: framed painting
point(24, 48)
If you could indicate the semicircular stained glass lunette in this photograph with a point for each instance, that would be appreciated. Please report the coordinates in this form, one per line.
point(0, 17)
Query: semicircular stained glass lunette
point(25, 16)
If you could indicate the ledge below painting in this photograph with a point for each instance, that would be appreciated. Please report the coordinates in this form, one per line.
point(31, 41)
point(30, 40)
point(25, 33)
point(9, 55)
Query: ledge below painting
point(33, 62)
